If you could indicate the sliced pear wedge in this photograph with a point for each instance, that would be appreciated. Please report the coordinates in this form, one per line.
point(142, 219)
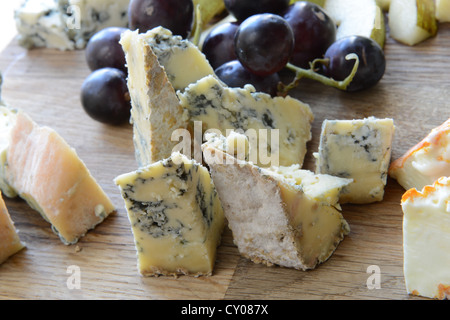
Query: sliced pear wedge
point(358, 17)
point(412, 21)
point(443, 10)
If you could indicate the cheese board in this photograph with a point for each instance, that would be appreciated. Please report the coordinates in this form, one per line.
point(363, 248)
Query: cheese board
point(368, 264)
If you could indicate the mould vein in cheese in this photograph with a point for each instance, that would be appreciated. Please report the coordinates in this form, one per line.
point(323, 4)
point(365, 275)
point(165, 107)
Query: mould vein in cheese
point(46, 172)
point(220, 107)
point(10, 242)
point(67, 24)
point(425, 162)
point(276, 222)
point(176, 216)
point(426, 240)
point(359, 150)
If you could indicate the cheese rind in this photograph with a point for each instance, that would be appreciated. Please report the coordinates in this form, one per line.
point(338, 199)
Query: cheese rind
point(425, 162)
point(426, 240)
point(10, 242)
point(176, 216)
point(275, 222)
point(359, 150)
point(284, 123)
point(156, 112)
point(7, 121)
point(46, 172)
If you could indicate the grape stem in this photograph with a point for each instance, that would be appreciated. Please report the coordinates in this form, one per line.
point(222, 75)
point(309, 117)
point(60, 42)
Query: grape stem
point(311, 73)
point(198, 26)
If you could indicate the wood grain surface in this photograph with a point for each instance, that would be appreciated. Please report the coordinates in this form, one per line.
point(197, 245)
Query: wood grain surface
point(415, 92)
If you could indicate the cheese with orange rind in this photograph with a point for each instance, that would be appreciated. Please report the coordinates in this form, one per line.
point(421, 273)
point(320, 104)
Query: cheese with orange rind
point(46, 172)
point(426, 240)
point(10, 242)
point(425, 162)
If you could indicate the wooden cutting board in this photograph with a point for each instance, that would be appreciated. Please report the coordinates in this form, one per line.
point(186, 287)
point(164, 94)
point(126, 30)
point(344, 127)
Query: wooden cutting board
point(415, 92)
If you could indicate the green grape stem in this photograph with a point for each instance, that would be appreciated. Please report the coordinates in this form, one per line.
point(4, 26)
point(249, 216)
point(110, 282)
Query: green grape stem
point(311, 73)
point(198, 26)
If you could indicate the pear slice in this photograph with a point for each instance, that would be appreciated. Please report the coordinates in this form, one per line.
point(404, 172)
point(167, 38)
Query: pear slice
point(412, 21)
point(357, 17)
point(443, 10)
point(384, 4)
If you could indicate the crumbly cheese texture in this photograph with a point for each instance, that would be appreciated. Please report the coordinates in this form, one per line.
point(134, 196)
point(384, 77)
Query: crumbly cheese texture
point(278, 128)
point(425, 162)
point(277, 222)
point(46, 172)
point(10, 242)
point(359, 150)
point(426, 240)
point(67, 24)
point(176, 216)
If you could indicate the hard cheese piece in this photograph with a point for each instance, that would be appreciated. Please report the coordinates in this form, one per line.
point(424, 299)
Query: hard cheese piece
point(9, 239)
point(358, 150)
point(176, 216)
point(7, 121)
point(45, 171)
point(242, 109)
point(275, 223)
point(443, 10)
point(67, 24)
point(426, 162)
point(426, 240)
point(158, 64)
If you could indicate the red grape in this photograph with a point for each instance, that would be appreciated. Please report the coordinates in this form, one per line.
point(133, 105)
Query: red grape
point(175, 15)
point(104, 50)
point(314, 32)
point(242, 9)
point(264, 43)
point(105, 96)
point(234, 74)
point(372, 62)
point(218, 45)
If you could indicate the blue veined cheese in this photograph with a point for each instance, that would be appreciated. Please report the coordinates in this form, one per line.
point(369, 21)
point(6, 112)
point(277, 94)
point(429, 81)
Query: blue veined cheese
point(359, 150)
point(183, 62)
point(425, 162)
point(67, 24)
point(277, 222)
point(426, 240)
point(223, 108)
point(176, 216)
point(156, 112)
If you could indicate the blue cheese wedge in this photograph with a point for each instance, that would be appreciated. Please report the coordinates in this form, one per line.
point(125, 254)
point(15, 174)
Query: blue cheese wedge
point(158, 65)
point(359, 150)
point(425, 162)
point(426, 240)
point(176, 216)
point(67, 24)
point(277, 223)
point(256, 114)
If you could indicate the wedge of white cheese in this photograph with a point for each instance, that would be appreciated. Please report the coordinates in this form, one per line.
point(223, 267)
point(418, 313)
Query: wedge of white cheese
point(176, 216)
point(276, 223)
point(359, 150)
point(426, 240)
point(425, 162)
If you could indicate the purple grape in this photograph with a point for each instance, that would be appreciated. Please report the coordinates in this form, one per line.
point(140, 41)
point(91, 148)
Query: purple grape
point(234, 74)
point(175, 15)
point(314, 32)
point(242, 9)
point(264, 43)
point(104, 50)
point(218, 45)
point(372, 62)
point(105, 96)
